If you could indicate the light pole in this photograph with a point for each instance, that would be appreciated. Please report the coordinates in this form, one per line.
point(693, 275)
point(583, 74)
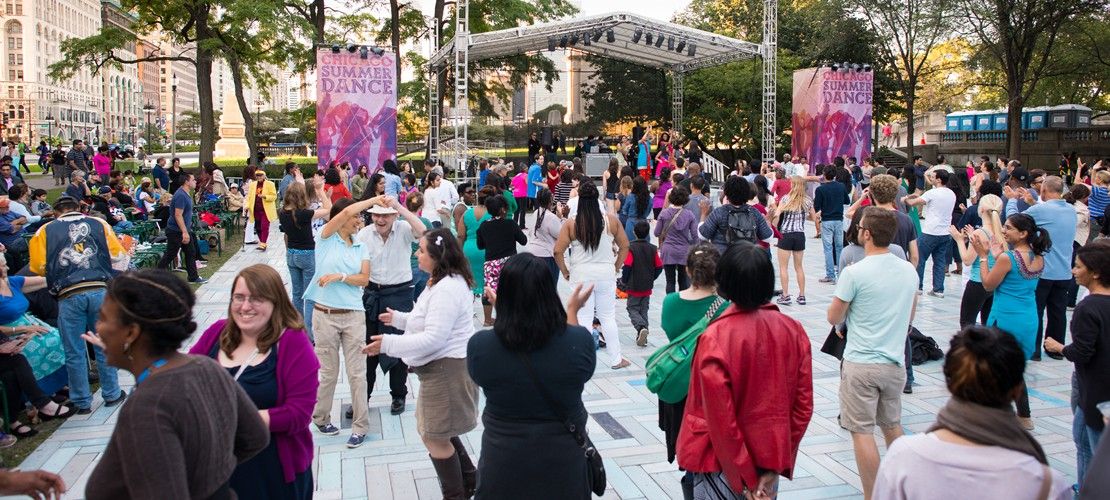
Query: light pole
point(148, 107)
point(173, 118)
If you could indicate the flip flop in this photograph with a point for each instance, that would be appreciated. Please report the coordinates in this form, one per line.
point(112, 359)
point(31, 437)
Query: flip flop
point(63, 412)
point(17, 430)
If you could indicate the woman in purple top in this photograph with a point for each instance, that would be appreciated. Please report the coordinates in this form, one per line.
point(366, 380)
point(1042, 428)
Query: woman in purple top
point(662, 187)
point(677, 230)
point(263, 346)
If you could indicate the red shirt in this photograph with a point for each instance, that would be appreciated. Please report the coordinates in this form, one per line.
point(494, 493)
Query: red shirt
point(751, 396)
point(338, 191)
point(780, 188)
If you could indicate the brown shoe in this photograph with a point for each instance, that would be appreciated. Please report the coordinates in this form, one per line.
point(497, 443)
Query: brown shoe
point(623, 364)
point(1026, 423)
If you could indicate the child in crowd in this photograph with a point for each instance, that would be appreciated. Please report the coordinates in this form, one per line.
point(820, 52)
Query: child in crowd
point(39, 206)
point(498, 236)
point(641, 268)
point(129, 181)
point(599, 339)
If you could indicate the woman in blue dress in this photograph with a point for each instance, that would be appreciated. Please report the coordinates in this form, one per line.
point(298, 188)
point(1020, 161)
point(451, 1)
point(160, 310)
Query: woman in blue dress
point(1013, 279)
point(637, 207)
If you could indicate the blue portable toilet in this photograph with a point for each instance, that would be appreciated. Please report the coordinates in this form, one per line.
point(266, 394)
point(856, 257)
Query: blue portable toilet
point(983, 119)
point(967, 120)
point(952, 121)
point(1035, 118)
point(999, 119)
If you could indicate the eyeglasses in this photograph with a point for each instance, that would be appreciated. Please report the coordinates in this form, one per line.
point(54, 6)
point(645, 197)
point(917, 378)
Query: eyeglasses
point(238, 299)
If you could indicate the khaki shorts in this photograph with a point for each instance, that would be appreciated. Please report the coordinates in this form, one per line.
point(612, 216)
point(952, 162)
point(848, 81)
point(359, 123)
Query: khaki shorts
point(870, 395)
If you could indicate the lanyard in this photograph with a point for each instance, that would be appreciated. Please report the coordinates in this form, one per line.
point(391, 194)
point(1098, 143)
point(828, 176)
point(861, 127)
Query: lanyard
point(244, 366)
point(146, 373)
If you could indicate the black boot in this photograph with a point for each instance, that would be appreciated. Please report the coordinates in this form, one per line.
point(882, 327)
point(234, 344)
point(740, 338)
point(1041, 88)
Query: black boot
point(469, 471)
point(450, 477)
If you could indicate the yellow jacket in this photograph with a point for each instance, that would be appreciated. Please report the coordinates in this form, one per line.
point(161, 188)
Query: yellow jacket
point(269, 199)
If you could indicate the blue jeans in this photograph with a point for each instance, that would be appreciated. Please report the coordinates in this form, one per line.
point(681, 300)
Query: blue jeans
point(1086, 442)
point(76, 315)
point(419, 281)
point(937, 248)
point(832, 239)
point(302, 265)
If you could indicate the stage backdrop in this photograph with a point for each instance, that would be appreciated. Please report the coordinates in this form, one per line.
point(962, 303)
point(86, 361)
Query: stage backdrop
point(831, 114)
point(356, 109)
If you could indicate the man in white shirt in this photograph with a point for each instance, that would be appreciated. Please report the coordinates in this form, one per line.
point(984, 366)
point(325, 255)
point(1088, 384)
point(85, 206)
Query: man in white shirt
point(935, 240)
point(389, 242)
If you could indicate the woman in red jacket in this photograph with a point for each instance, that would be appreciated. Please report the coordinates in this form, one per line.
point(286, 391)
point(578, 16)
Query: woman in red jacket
point(760, 359)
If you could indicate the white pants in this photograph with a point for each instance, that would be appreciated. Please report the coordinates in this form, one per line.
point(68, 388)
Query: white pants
point(602, 304)
point(248, 233)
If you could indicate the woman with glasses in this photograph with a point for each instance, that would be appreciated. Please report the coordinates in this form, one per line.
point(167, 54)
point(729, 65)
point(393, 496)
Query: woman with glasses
point(260, 198)
point(263, 346)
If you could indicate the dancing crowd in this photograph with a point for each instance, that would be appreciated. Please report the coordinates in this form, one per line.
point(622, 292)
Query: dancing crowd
point(386, 269)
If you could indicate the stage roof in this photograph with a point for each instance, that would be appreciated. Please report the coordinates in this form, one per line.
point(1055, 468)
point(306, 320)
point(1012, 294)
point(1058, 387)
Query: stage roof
point(709, 49)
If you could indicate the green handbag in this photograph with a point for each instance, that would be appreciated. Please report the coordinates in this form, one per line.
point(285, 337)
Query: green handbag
point(668, 369)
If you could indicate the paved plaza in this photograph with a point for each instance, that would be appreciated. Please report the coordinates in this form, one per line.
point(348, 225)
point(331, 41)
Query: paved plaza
point(394, 464)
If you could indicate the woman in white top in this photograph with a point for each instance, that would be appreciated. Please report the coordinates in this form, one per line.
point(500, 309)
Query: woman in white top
point(435, 203)
point(434, 345)
point(977, 448)
point(541, 240)
point(591, 234)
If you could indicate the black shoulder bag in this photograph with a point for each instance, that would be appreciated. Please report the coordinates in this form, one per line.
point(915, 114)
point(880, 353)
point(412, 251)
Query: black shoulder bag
point(594, 464)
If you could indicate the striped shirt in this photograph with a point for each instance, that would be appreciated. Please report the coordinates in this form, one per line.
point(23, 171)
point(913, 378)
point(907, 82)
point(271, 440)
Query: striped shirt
point(1098, 201)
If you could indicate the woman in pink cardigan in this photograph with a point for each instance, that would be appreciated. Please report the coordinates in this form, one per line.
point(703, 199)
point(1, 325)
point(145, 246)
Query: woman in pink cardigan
point(263, 346)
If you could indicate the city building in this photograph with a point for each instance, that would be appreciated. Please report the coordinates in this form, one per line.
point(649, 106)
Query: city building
point(32, 106)
point(123, 92)
point(151, 100)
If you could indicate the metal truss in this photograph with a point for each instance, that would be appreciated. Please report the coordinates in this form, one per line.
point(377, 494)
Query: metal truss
point(770, 76)
point(676, 100)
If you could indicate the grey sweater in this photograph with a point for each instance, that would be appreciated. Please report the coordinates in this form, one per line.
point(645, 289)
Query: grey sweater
point(180, 436)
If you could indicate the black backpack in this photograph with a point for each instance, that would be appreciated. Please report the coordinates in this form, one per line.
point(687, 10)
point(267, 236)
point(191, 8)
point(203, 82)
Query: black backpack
point(923, 348)
point(742, 225)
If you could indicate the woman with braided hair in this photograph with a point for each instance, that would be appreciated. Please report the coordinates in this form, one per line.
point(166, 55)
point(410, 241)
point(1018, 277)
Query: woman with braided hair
point(192, 422)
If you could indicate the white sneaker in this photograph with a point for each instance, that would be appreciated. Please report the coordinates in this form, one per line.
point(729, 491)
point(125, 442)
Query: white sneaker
point(641, 337)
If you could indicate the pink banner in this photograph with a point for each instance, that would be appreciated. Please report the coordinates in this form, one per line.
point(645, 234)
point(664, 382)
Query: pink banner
point(356, 109)
point(831, 114)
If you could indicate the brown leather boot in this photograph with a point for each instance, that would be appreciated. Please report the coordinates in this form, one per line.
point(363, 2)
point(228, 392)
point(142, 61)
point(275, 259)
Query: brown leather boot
point(469, 471)
point(450, 477)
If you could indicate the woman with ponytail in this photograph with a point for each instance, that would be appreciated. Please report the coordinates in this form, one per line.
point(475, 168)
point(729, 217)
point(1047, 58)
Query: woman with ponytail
point(977, 300)
point(976, 448)
point(1013, 279)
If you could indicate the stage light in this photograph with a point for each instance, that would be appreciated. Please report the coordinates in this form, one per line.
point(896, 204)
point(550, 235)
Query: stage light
point(670, 43)
point(551, 44)
point(647, 38)
point(363, 52)
point(636, 36)
point(844, 67)
point(597, 36)
point(378, 51)
point(834, 66)
point(867, 67)
point(857, 67)
point(681, 46)
point(692, 49)
point(574, 39)
point(335, 48)
point(610, 36)
point(658, 40)
point(563, 42)
point(586, 39)
point(352, 48)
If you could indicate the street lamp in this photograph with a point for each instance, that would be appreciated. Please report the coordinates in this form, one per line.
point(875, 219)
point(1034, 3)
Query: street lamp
point(173, 118)
point(148, 107)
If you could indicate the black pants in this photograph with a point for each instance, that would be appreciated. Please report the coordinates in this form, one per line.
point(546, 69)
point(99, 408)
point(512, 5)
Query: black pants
point(976, 301)
point(1073, 293)
point(19, 381)
point(673, 271)
point(521, 211)
point(1052, 298)
point(1023, 403)
point(173, 244)
point(376, 299)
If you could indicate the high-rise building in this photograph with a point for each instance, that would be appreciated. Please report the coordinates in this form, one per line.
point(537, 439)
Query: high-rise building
point(123, 91)
point(184, 75)
point(32, 105)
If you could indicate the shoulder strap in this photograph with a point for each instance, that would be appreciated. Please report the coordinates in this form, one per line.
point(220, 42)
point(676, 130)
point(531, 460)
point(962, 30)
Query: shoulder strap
point(713, 308)
point(573, 429)
point(670, 224)
point(1046, 484)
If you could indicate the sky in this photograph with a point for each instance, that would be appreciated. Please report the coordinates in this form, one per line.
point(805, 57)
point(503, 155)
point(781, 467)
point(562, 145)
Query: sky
point(662, 10)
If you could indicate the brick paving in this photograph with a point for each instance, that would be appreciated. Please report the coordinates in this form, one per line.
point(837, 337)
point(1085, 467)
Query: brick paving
point(394, 464)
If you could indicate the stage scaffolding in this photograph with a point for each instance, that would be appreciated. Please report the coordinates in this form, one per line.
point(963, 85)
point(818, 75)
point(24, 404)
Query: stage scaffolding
point(672, 47)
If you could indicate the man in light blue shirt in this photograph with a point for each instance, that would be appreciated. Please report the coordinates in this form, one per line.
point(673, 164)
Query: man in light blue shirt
point(1058, 218)
point(535, 181)
point(877, 296)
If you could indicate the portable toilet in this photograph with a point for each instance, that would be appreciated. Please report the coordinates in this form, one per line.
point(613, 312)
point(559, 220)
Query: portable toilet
point(1067, 116)
point(1035, 118)
point(999, 119)
point(967, 120)
point(983, 119)
point(952, 121)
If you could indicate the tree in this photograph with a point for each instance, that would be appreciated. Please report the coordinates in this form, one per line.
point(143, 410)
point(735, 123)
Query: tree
point(912, 30)
point(1019, 37)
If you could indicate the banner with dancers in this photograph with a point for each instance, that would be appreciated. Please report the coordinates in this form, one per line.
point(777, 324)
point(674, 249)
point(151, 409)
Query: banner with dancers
point(831, 114)
point(356, 109)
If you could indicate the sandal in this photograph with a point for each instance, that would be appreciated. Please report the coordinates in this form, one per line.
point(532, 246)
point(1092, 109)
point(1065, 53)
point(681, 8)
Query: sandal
point(22, 430)
point(783, 300)
point(63, 412)
point(801, 300)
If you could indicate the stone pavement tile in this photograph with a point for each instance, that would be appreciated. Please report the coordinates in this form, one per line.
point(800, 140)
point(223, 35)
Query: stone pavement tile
point(393, 463)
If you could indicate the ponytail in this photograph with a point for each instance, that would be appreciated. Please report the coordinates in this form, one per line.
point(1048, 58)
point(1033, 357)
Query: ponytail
point(1037, 237)
point(1040, 241)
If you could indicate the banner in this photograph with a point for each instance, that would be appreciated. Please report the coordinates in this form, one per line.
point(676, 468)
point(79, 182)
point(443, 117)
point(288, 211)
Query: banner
point(356, 109)
point(831, 114)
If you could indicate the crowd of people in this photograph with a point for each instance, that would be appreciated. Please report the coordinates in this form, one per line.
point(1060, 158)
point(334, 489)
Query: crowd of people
point(388, 269)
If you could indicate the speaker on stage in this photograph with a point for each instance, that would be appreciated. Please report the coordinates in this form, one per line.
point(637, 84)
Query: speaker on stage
point(637, 133)
point(546, 136)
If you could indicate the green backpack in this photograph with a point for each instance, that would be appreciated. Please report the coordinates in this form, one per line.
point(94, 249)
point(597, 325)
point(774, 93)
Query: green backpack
point(668, 369)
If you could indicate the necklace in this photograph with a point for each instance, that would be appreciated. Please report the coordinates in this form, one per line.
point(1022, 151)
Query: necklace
point(146, 373)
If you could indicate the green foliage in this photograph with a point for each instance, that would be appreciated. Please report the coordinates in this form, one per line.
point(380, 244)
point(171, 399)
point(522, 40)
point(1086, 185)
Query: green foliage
point(188, 125)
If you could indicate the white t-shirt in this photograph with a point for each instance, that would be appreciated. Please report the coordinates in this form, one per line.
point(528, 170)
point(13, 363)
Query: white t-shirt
point(939, 203)
point(880, 290)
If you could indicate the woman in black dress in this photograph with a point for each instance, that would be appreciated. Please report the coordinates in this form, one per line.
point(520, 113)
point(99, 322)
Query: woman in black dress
point(527, 452)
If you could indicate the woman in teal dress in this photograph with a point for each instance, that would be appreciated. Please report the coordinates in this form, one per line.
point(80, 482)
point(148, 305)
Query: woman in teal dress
point(467, 231)
point(1013, 279)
